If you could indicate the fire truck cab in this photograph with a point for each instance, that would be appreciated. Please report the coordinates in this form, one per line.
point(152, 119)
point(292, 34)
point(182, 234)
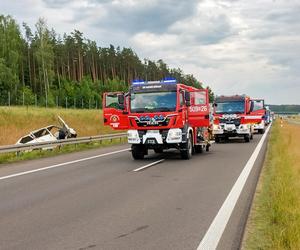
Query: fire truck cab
point(160, 115)
point(231, 117)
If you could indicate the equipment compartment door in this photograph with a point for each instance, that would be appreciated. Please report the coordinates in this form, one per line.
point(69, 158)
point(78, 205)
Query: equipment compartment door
point(198, 112)
point(114, 115)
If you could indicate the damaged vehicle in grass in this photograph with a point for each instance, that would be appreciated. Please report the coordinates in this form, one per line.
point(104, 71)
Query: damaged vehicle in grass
point(49, 133)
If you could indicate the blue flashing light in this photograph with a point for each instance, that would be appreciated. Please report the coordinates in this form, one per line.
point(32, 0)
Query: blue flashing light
point(138, 82)
point(169, 80)
point(164, 81)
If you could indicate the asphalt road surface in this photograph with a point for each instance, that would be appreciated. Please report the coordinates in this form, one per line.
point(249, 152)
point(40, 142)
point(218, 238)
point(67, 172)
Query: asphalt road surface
point(98, 201)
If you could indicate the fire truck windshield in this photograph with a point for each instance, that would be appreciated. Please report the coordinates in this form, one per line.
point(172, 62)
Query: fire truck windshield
point(153, 102)
point(230, 107)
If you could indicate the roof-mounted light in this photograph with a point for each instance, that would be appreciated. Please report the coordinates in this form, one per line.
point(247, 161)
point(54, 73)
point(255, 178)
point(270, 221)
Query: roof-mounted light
point(138, 82)
point(164, 81)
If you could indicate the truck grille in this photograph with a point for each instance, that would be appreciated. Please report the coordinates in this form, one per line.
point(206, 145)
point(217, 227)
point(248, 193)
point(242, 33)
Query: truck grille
point(153, 123)
point(235, 121)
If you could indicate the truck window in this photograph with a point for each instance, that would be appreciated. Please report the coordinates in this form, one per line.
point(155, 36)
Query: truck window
point(258, 105)
point(111, 101)
point(200, 98)
point(181, 99)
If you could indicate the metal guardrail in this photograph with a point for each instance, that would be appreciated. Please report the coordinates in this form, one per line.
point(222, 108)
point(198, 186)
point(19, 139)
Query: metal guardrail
point(39, 145)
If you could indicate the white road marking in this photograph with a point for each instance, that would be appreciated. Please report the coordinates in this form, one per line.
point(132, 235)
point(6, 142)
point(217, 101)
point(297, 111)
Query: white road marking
point(214, 233)
point(62, 164)
point(148, 165)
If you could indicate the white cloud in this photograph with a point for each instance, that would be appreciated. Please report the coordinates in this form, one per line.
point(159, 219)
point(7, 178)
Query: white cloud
point(235, 46)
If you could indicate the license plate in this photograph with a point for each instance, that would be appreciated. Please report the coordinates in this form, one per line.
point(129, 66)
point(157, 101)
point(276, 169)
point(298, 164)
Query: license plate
point(153, 131)
point(150, 141)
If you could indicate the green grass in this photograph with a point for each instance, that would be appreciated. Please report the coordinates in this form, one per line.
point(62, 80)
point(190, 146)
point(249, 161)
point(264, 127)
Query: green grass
point(274, 221)
point(35, 154)
point(16, 122)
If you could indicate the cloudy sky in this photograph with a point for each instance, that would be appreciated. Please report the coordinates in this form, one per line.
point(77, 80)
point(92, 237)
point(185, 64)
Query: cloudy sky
point(234, 46)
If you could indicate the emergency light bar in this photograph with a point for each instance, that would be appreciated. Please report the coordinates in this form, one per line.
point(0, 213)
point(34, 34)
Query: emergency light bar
point(165, 81)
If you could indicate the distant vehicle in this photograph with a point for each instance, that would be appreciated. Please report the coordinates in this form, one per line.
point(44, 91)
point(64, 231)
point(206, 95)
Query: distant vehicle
point(268, 116)
point(49, 133)
point(259, 115)
point(232, 117)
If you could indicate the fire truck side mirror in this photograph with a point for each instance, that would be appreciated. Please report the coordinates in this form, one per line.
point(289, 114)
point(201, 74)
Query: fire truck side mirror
point(215, 104)
point(187, 98)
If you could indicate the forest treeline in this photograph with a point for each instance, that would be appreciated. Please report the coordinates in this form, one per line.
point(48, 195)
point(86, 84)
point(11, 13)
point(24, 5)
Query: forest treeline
point(39, 66)
point(285, 108)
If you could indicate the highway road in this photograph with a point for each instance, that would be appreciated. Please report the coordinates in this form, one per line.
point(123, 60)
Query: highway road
point(95, 200)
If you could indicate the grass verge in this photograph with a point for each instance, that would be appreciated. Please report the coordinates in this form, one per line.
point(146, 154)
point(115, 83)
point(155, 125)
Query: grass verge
point(274, 221)
point(16, 122)
point(35, 154)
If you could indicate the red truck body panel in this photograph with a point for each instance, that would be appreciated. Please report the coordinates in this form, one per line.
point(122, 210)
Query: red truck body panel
point(197, 115)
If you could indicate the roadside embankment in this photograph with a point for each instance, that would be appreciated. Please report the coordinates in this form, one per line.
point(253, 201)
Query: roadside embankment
point(274, 221)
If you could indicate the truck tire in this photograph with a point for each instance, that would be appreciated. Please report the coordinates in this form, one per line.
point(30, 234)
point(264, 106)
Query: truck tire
point(217, 139)
point(198, 149)
point(262, 131)
point(187, 149)
point(247, 138)
point(251, 136)
point(158, 150)
point(137, 151)
point(207, 147)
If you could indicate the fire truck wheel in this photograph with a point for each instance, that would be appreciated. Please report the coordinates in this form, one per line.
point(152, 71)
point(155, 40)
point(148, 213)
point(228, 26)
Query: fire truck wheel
point(251, 137)
point(138, 152)
point(217, 139)
point(207, 148)
point(158, 150)
point(187, 149)
point(262, 131)
point(247, 138)
point(198, 149)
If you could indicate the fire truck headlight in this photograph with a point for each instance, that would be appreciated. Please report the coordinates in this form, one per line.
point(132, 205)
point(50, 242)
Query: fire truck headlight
point(244, 127)
point(133, 136)
point(174, 135)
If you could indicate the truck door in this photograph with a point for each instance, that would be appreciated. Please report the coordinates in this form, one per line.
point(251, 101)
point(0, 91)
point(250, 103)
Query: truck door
point(114, 115)
point(258, 111)
point(198, 112)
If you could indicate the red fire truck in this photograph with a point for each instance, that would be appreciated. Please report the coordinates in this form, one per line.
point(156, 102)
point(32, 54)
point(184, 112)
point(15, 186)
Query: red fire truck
point(232, 117)
point(160, 115)
point(258, 115)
